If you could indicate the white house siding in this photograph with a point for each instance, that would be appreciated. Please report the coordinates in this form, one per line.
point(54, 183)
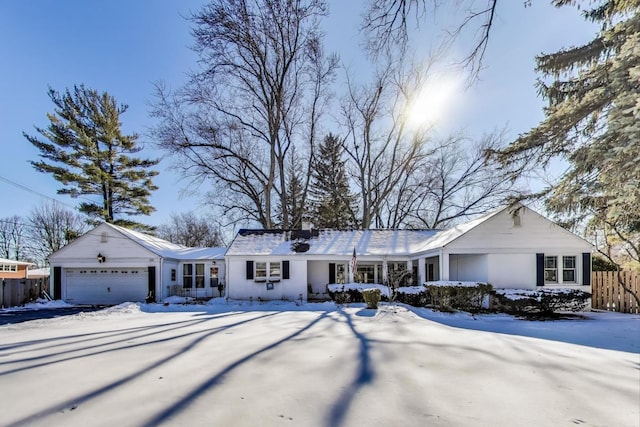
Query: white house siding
point(239, 287)
point(516, 271)
point(535, 234)
point(119, 252)
point(468, 267)
point(318, 276)
point(167, 283)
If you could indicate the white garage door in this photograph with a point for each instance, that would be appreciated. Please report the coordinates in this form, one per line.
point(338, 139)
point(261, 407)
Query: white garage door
point(106, 285)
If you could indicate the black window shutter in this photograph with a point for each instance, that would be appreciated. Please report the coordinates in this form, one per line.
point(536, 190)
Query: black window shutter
point(332, 273)
point(57, 283)
point(249, 270)
point(285, 269)
point(539, 269)
point(586, 269)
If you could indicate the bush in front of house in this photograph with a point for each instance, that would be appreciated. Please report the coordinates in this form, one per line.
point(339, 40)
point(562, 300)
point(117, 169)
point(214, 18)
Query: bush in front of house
point(415, 296)
point(371, 297)
point(353, 292)
point(543, 302)
point(451, 296)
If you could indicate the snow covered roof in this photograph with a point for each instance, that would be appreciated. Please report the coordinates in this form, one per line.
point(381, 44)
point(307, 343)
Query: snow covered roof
point(167, 249)
point(330, 242)
point(14, 262)
point(381, 243)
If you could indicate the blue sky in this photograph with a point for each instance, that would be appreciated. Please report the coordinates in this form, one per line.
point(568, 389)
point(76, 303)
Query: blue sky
point(124, 46)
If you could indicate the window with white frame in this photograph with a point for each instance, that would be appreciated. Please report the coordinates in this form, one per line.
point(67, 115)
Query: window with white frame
point(267, 271)
point(261, 272)
point(8, 267)
point(275, 270)
point(569, 269)
point(199, 275)
point(187, 275)
point(551, 269)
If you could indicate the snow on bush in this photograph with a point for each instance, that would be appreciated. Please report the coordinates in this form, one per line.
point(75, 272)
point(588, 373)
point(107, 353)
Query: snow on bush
point(543, 301)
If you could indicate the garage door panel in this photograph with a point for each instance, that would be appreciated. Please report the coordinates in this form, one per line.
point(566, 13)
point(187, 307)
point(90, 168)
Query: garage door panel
point(106, 286)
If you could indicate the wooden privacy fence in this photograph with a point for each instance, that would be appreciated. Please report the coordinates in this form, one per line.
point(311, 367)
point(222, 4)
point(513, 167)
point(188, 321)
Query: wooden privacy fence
point(20, 291)
point(608, 294)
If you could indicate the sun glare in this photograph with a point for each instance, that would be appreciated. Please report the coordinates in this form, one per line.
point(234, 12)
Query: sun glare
point(434, 100)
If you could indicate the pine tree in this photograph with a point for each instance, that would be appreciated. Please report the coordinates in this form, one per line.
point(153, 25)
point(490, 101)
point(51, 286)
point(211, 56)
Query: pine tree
point(85, 150)
point(296, 200)
point(331, 200)
point(593, 122)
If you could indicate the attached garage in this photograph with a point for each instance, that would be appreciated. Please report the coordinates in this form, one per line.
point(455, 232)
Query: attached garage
point(110, 265)
point(106, 285)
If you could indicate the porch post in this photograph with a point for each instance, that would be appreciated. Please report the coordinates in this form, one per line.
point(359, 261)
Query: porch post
point(444, 265)
point(422, 271)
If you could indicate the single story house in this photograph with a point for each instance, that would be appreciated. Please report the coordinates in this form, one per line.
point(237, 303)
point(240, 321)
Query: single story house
point(112, 264)
point(10, 269)
point(511, 247)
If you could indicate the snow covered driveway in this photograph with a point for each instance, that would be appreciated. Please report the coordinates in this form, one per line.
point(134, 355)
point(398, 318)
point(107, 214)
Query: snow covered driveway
point(315, 365)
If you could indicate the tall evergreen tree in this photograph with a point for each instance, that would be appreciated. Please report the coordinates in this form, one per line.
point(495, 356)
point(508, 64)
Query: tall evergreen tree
point(85, 150)
point(331, 200)
point(593, 122)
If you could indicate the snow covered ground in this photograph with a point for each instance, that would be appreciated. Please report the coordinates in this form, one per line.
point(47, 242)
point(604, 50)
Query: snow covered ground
point(278, 363)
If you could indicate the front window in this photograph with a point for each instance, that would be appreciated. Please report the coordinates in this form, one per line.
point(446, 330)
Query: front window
point(274, 270)
point(8, 267)
point(199, 275)
point(551, 269)
point(341, 273)
point(187, 276)
point(569, 269)
point(366, 274)
point(261, 271)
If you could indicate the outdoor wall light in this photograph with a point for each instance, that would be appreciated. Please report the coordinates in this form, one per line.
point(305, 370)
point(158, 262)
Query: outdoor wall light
point(101, 258)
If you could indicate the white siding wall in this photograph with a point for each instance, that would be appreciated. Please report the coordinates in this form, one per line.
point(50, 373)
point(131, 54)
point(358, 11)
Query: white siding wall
point(512, 270)
point(318, 275)
point(167, 283)
point(468, 267)
point(536, 234)
point(238, 287)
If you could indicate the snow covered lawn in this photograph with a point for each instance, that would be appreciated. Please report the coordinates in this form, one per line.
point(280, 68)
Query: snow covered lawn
point(317, 365)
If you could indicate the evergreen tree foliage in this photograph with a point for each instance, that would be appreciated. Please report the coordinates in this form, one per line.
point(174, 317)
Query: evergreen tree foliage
point(331, 200)
point(296, 191)
point(593, 122)
point(85, 150)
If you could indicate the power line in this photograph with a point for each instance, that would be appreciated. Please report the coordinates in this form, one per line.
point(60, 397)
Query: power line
point(37, 193)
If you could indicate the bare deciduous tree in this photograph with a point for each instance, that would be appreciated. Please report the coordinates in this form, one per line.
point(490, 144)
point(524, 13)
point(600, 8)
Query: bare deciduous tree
point(51, 227)
point(386, 25)
point(381, 148)
point(458, 181)
point(12, 238)
point(189, 230)
point(258, 93)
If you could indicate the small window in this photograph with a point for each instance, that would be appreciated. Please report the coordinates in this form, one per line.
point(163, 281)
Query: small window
point(199, 275)
point(569, 269)
point(187, 276)
point(104, 238)
point(551, 269)
point(173, 274)
point(274, 270)
point(261, 272)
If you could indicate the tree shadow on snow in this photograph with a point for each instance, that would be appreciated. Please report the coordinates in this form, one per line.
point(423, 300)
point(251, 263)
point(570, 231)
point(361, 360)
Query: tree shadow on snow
point(73, 403)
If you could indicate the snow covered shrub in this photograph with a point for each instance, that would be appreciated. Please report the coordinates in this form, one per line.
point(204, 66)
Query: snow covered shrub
point(352, 292)
point(415, 296)
point(540, 302)
point(465, 296)
point(371, 297)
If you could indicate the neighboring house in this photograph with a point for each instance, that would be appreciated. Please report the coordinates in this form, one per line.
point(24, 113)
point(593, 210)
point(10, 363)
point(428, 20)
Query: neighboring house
point(111, 264)
point(10, 269)
point(38, 273)
point(509, 248)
